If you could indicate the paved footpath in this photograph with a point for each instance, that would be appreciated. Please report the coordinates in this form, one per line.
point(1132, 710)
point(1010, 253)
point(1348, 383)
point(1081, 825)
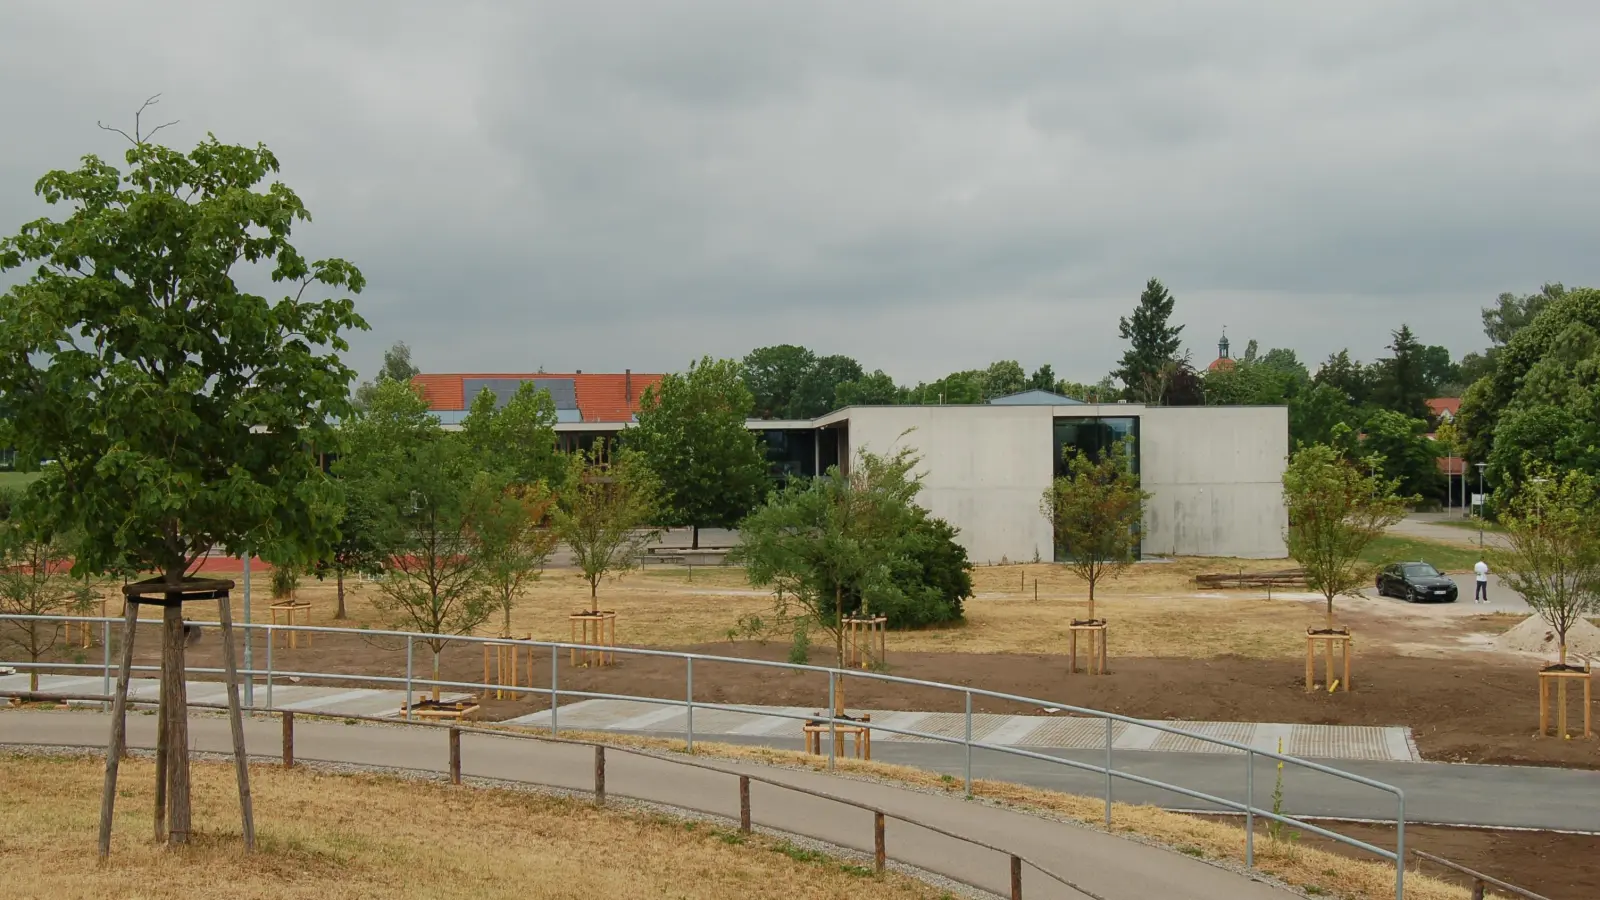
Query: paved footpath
point(1112, 867)
point(1341, 742)
point(333, 701)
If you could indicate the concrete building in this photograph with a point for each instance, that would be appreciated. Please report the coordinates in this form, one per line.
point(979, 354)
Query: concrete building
point(1214, 473)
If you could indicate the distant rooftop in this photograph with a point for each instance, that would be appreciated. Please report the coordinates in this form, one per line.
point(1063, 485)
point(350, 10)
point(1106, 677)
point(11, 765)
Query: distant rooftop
point(1035, 397)
point(579, 397)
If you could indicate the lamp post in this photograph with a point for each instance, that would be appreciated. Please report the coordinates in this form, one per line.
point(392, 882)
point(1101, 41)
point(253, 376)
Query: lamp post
point(1481, 504)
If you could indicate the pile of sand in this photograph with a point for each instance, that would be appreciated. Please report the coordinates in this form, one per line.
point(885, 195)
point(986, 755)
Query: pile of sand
point(1534, 635)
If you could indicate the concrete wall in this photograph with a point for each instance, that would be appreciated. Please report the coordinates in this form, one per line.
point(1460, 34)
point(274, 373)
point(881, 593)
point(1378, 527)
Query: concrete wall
point(986, 468)
point(1214, 473)
point(1216, 479)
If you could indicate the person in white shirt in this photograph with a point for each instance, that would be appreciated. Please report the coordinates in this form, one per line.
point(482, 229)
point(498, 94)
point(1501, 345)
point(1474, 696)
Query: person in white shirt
point(1482, 594)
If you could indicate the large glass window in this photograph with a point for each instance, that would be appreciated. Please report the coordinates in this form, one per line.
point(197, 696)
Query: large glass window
point(790, 453)
point(1094, 436)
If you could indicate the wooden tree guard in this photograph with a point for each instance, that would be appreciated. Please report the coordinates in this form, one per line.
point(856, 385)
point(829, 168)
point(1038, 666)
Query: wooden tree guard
point(1099, 658)
point(294, 612)
point(861, 734)
point(85, 629)
point(1332, 642)
point(172, 812)
point(596, 630)
point(504, 667)
point(1560, 677)
point(864, 641)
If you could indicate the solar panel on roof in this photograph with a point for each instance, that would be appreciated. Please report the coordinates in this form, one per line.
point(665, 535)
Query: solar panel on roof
point(562, 390)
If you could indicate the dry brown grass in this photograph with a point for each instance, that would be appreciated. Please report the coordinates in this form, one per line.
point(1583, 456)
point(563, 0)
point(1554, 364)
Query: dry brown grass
point(1155, 609)
point(340, 837)
point(1318, 871)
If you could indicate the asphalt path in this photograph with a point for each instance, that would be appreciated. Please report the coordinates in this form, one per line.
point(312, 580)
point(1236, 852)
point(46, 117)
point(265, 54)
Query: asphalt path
point(1435, 793)
point(1111, 867)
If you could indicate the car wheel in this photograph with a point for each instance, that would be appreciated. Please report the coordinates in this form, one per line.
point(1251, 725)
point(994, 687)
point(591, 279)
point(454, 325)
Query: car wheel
point(1411, 595)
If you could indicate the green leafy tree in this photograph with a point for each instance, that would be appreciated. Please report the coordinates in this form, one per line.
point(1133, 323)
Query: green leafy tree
point(518, 438)
point(1346, 375)
point(1552, 552)
point(1152, 344)
point(819, 387)
point(604, 513)
point(1406, 455)
point(1336, 507)
point(1401, 383)
point(1542, 404)
point(955, 389)
point(712, 470)
point(33, 560)
point(831, 541)
point(874, 389)
point(359, 549)
point(513, 538)
point(1095, 511)
point(931, 572)
point(1511, 313)
point(420, 485)
point(285, 583)
point(1042, 379)
point(1441, 377)
point(775, 377)
point(396, 367)
point(183, 412)
point(1314, 412)
point(1004, 378)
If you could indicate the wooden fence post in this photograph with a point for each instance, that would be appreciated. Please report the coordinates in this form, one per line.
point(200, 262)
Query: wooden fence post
point(880, 855)
point(600, 776)
point(1478, 888)
point(455, 755)
point(1016, 878)
point(744, 804)
point(288, 739)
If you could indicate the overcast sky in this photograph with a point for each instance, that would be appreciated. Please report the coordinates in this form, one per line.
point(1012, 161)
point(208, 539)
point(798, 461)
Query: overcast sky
point(925, 185)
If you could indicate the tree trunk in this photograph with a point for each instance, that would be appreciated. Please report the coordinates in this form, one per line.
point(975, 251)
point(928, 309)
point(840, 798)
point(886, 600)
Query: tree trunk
point(339, 613)
point(1091, 598)
point(694, 540)
point(506, 605)
point(33, 677)
point(594, 594)
point(1562, 660)
point(1330, 613)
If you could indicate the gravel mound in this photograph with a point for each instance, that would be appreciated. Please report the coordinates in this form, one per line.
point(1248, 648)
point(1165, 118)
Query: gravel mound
point(1534, 635)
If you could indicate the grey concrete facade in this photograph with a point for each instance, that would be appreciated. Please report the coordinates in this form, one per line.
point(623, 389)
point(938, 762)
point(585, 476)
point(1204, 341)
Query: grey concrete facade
point(1214, 473)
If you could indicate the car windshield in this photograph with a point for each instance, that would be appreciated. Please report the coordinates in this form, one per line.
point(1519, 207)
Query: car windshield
point(1421, 570)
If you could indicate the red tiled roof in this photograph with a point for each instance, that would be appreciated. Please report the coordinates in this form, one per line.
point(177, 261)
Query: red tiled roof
point(1221, 363)
point(601, 398)
point(1440, 405)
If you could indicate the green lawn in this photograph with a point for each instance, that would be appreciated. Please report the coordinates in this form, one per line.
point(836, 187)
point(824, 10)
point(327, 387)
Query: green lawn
point(1445, 557)
point(16, 479)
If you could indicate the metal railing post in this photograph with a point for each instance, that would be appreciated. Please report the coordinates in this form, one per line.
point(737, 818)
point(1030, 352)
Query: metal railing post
point(410, 656)
point(968, 766)
point(105, 677)
point(1250, 811)
point(1108, 774)
point(1400, 848)
point(555, 692)
point(833, 688)
point(269, 669)
point(688, 693)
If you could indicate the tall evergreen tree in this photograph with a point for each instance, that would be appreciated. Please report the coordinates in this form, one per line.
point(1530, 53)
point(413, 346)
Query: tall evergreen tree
point(1152, 343)
point(1347, 375)
point(1401, 384)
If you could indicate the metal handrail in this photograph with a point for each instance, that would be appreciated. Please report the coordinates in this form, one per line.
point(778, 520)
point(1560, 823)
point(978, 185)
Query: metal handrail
point(411, 682)
point(1481, 882)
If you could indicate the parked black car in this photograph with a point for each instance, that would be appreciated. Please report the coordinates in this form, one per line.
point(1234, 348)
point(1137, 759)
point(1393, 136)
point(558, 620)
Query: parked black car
point(1416, 582)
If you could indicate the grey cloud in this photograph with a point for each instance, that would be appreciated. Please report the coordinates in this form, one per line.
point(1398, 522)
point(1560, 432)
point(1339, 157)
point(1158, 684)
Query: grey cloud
point(925, 185)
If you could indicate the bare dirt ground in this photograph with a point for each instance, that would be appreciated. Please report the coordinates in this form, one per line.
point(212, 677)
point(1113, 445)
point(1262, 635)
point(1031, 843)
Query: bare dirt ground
point(1176, 652)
